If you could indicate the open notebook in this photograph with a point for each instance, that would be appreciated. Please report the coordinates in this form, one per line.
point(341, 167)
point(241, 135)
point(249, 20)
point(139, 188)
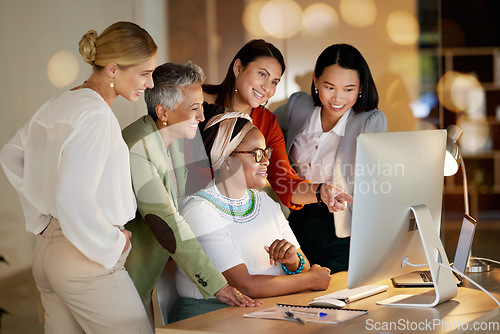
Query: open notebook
point(307, 314)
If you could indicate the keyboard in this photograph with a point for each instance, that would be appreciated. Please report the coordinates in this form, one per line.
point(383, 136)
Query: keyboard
point(351, 295)
point(426, 275)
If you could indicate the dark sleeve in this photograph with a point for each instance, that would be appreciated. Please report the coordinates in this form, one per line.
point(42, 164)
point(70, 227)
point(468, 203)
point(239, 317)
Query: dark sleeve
point(209, 111)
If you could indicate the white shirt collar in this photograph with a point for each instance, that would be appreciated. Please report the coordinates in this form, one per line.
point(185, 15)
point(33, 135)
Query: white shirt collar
point(315, 123)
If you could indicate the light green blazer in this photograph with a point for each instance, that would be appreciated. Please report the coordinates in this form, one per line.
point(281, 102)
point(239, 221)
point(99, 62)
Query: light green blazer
point(158, 230)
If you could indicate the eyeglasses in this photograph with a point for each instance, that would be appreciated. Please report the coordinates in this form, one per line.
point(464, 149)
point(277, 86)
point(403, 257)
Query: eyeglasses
point(259, 153)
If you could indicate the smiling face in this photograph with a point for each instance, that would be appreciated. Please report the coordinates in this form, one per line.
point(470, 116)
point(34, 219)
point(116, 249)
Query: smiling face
point(255, 173)
point(131, 82)
point(256, 83)
point(338, 89)
point(183, 120)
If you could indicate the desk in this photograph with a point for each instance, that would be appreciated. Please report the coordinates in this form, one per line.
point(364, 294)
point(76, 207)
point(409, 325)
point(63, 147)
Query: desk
point(470, 306)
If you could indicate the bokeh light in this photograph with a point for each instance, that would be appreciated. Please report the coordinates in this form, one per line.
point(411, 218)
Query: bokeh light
point(468, 95)
point(62, 68)
point(455, 36)
point(475, 133)
point(358, 13)
point(403, 28)
point(319, 19)
point(461, 92)
point(444, 90)
point(281, 18)
point(251, 19)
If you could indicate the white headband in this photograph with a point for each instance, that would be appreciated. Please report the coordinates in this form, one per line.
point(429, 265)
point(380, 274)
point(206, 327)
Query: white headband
point(223, 145)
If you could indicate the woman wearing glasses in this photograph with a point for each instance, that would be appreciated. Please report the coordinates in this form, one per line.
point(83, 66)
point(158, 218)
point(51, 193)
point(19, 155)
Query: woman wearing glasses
point(251, 80)
point(241, 228)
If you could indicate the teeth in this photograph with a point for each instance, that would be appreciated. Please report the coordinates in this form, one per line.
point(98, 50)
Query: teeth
point(258, 94)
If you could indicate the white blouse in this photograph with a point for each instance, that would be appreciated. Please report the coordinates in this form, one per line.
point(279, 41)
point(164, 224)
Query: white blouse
point(233, 239)
point(70, 162)
point(313, 152)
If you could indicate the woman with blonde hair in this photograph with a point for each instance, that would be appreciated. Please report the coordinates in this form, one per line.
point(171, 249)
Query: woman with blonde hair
point(70, 167)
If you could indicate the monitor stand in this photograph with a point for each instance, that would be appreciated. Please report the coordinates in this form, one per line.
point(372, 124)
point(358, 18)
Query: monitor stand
point(444, 283)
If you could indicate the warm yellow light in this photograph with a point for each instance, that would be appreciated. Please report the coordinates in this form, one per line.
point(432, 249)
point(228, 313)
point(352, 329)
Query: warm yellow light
point(461, 92)
point(444, 90)
point(320, 18)
point(251, 19)
point(475, 133)
point(281, 18)
point(391, 92)
point(358, 13)
point(450, 165)
point(403, 28)
point(468, 94)
point(62, 68)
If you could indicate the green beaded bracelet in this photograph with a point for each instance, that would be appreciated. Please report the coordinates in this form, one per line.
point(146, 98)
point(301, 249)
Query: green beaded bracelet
point(299, 269)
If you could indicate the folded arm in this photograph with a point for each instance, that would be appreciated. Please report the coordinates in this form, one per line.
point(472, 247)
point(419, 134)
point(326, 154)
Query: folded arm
point(258, 286)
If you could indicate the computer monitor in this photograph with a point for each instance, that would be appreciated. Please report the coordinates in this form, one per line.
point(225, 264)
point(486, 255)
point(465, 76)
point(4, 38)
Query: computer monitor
point(396, 214)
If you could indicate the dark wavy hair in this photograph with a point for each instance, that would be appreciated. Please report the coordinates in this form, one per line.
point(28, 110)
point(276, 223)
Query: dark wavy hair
point(250, 52)
point(347, 56)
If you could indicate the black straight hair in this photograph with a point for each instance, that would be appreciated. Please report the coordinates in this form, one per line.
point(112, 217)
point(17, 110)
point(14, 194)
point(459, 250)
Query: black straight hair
point(348, 57)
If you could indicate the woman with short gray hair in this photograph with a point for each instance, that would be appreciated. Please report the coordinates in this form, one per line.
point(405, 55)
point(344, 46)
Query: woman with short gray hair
point(158, 168)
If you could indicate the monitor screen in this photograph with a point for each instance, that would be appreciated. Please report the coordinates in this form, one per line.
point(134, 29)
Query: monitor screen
point(464, 243)
point(394, 171)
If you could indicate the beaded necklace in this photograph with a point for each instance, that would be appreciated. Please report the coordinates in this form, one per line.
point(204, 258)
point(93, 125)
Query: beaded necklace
point(240, 210)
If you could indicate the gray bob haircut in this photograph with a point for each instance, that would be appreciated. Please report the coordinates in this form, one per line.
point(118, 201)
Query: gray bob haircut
point(169, 79)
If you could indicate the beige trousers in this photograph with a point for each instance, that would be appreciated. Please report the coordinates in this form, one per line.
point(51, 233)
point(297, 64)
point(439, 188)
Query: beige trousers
point(82, 296)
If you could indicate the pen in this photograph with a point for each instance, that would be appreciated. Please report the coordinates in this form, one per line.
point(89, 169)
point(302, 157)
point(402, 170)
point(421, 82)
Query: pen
point(292, 316)
point(319, 314)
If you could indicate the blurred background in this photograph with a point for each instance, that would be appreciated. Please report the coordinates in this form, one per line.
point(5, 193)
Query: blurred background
point(435, 63)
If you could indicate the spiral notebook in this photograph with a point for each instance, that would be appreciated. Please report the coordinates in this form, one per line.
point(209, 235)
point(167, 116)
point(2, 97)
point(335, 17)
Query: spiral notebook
point(307, 314)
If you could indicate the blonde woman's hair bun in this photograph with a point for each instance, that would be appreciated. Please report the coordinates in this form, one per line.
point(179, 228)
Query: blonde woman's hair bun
point(124, 43)
point(88, 46)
